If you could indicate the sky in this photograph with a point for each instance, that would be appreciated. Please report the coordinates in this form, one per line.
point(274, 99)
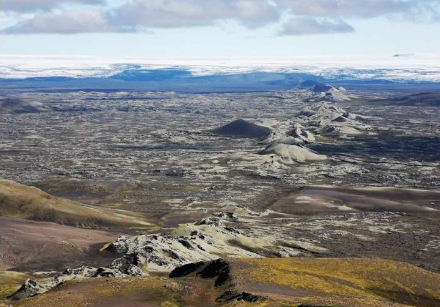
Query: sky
point(218, 28)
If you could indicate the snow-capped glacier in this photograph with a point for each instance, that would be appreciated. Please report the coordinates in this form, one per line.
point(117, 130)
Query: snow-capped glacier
point(397, 68)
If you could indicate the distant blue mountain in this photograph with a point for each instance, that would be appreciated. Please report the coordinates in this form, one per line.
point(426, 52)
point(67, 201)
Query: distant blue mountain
point(152, 75)
point(181, 80)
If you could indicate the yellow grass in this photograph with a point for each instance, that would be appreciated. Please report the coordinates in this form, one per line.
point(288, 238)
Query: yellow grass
point(10, 282)
point(365, 279)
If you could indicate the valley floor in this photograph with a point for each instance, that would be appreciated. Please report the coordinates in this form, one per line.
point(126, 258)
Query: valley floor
point(338, 205)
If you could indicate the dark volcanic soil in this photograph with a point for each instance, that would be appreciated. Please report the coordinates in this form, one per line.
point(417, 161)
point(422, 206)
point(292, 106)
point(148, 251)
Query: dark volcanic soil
point(40, 246)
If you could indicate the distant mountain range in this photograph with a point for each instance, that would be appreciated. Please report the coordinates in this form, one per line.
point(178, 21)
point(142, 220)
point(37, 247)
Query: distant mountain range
point(215, 74)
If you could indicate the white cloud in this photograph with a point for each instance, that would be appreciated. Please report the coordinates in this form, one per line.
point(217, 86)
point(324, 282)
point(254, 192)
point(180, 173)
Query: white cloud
point(137, 15)
point(24, 6)
point(188, 13)
point(307, 17)
point(71, 22)
point(416, 10)
point(345, 8)
point(311, 26)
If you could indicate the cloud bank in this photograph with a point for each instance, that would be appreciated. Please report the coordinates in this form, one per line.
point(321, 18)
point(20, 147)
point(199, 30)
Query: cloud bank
point(26, 6)
point(306, 17)
point(310, 26)
point(188, 13)
point(70, 22)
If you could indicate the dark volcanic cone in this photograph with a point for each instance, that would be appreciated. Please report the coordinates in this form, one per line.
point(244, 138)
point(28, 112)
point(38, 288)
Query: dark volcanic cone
point(242, 129)
point(321, 88)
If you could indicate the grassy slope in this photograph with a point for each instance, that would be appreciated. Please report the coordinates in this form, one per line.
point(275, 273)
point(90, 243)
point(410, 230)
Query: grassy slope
point(131, 291)
point(343, 282)
point(24, 202)
point(284, 282)
point(10, 282)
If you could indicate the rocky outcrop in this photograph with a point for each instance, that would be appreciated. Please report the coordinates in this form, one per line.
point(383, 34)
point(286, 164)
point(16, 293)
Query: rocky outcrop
point(314, 91)
point(328, 119)
point(287, 144)
point(31, 288)
point(289, 133)
point(207, 240)
point(299, 132)
point(292, 153)
point(329, 94)
point(218, 269)
point(117, 269)
point(202, 241)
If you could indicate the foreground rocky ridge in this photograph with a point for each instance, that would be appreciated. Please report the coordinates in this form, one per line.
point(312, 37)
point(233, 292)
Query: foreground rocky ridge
point(365, 216)
point(208, 239)
point(259, 282)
